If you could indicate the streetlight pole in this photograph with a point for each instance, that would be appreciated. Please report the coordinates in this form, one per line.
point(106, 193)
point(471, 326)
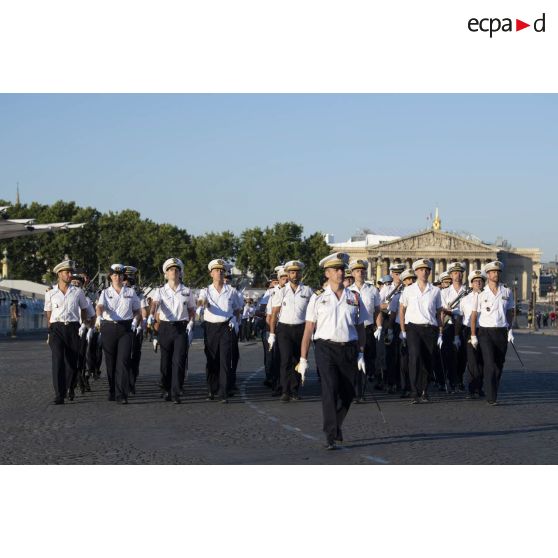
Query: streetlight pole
point(515, 324)
point(534, 301)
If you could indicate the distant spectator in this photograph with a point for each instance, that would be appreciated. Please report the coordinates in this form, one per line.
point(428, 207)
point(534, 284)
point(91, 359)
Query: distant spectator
point(14, 317)
point(552, 317)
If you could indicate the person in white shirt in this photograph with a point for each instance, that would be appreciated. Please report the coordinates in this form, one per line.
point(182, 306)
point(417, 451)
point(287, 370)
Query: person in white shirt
point(65, 306)
point(272, 363)
point(492, 320)
point(221, 323)
point(336, 320)
point(385, 289)
point(467, 305)
point(420, 316)
point(118, 315)
point(453, 351)
point(371, 299)
point(137, 341)
point(236, 331)
point(176, 308)
point(393, 329)
point(288, 319)
point(261, 314)
point(81, 379)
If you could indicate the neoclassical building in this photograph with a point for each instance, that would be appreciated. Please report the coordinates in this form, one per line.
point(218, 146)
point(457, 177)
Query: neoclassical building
point(443, 248)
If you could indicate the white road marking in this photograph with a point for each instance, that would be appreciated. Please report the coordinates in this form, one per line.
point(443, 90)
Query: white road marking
point(530, 352)
point(290, 428)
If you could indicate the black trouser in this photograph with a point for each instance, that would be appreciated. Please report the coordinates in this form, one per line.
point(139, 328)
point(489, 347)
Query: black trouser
point(421, 344)
point(173, 341)
point(137, 341)
point(369, 361)
point(474, 363)
point(393, 363)
point(455, 361)
point(404, 366)
point(271, 362)
point(117, 346)
point(81, 374)
point(94, 353)
point(289, 339)
point(338, 366)
point(235, 357)
point(218, 351)
point(64, 344)
point(381, 365)
point(493, 343)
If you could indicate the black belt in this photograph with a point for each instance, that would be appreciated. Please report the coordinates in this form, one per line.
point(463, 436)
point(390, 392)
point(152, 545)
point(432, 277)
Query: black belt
point(178, 322)
point(336, 343)
point(290, 325)
point(421, 325)
point(63, 323)
point(118, 322)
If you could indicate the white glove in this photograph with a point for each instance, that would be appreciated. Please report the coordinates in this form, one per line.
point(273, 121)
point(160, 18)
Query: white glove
point(389, 335)
point(403, 336)
point(440, 341)
point(474, 341)
point(199, 313)
point(361, 364)
point(233, 324)
point(510, 336)
point(271, 340)
point(190, 332)
point(457, 342)
point(139, 329)
point(155, 344)
point(134, 324)
point(82, 330)
point(89, 336)
point(378, 333)
point(150, 320)
point(302, 367)
point(98, 323)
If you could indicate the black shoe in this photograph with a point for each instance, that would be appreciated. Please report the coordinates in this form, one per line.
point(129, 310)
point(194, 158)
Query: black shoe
point(177, 401)
point(122, 401)
point(58, 401)
point(405, 395)
point(362, 399)
point(481, 393)
point(224, 400)
point(267, 383)
point(469, 396)
point(295, 397)
point(415, 401)
point(168, 396)
point(210, 397)
point(492, 403)
point(441, 387)
point(133, 390)
point(82, 389)
point(424, 398)
point(230, 394)
point(285, 398)
point(276, 393)
point(111, 397)
point(339, 437)
point(356, 400)
point(71, 394)
point(330, 445)
point(461, 388)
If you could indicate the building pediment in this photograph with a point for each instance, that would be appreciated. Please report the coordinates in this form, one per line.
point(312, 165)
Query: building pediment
point(431, 242)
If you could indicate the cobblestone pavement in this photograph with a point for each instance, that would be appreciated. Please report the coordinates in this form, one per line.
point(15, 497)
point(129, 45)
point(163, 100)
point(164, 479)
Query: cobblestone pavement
point(255, 428)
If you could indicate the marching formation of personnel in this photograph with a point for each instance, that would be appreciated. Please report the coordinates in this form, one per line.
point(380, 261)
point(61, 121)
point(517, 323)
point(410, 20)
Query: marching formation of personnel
point(409, 334)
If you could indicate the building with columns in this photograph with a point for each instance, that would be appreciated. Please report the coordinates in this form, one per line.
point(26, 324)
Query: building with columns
point(443, 248)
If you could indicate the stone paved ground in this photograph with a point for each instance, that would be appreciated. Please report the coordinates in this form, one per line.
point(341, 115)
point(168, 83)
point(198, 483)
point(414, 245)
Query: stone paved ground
point(257, 429)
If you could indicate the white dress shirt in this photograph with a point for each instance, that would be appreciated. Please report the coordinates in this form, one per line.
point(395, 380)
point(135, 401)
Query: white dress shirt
point(118, 307)
point(394, 306)
point(66, 307)
point(269, 304)
point(174, 306)
point(371, 299)
point(448, 297)
point(492, 307)
point(336, 319)
point(293, 304)
point(467, 304)
point(421, 306)
point(220, 306)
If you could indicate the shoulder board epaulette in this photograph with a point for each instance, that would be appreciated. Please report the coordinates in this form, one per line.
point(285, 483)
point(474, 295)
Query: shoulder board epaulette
point(318, 292)
point(505, 285)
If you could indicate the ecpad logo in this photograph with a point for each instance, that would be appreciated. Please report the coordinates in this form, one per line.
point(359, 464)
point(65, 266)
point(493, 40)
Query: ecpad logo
point(493, 25)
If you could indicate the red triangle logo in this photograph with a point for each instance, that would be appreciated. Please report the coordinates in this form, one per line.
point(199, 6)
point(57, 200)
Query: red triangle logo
point(519, 25)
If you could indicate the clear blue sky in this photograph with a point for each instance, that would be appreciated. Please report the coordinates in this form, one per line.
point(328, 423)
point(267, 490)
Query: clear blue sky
point(332, 163)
